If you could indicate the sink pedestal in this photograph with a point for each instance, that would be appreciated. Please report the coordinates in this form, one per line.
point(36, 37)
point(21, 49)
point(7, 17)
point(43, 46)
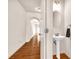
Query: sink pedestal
point(58, 39)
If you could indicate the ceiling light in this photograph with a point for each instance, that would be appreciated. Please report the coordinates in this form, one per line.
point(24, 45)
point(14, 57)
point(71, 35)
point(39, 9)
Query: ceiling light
point(38, 9)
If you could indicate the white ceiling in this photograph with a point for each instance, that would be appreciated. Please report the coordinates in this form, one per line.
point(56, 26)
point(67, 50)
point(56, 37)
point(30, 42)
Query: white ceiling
point(30, 5)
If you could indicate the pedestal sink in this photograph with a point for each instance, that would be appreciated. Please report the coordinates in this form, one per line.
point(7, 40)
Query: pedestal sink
point(58, 38)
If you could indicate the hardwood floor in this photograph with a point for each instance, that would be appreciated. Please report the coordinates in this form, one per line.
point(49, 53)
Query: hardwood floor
point(62, 56)
point(31, 50)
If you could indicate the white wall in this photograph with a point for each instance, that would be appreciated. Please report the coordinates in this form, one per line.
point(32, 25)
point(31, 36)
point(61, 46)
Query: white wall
point(17, 17)
point(67, 17)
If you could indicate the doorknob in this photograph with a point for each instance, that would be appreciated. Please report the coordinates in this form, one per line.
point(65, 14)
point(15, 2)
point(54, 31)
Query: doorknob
point(46, 30)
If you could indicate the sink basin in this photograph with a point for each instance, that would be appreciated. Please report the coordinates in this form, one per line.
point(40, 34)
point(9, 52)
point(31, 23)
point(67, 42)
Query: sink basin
point(58, 37)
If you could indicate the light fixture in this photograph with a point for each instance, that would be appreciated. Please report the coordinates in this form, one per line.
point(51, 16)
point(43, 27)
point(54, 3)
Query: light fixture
point(38, 9)
point(56, 6)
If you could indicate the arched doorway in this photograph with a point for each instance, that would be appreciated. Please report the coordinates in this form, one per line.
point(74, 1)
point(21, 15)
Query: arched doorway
point(35, 26)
